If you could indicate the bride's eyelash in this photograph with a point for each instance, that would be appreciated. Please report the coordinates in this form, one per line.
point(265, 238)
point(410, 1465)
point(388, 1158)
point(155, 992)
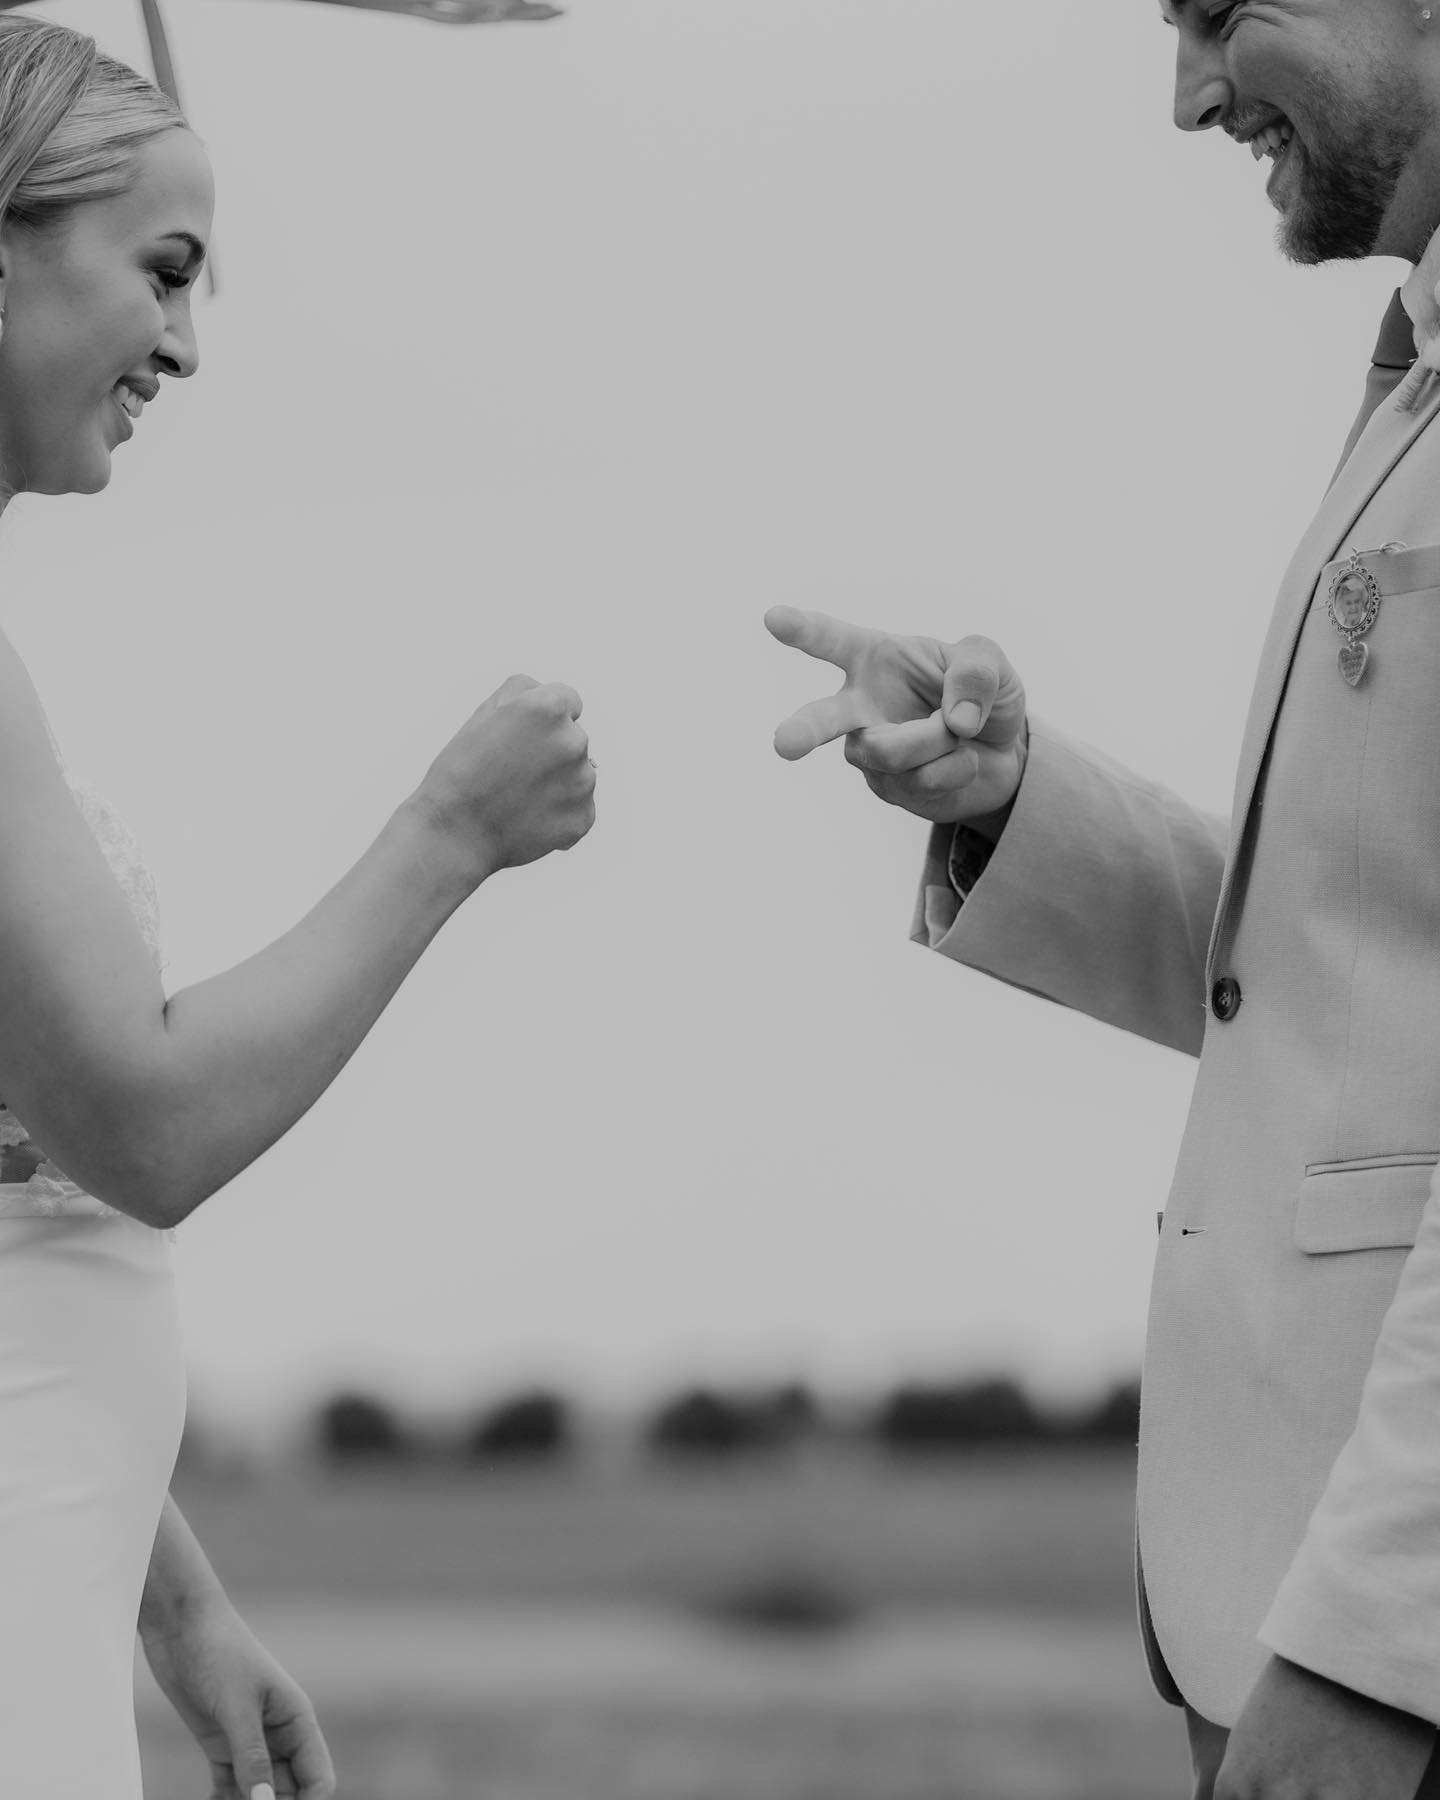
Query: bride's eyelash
point(172, 278)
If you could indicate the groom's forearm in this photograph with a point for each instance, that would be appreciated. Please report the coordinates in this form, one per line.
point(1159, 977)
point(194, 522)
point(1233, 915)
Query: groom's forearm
point(180, 1579)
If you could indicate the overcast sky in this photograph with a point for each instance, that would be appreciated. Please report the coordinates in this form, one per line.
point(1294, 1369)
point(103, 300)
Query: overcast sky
point(570, 348)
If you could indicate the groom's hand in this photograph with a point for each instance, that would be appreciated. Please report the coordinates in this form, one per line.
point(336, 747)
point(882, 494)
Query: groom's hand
point(935, 727)
point(1302, 1737)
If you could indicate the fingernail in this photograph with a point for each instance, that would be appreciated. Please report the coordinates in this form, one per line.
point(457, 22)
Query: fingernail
point(262, 1791)
point(965, 718)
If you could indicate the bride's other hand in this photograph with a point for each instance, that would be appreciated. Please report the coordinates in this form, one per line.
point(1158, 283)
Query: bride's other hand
point(253, 1722)
point(516, 781)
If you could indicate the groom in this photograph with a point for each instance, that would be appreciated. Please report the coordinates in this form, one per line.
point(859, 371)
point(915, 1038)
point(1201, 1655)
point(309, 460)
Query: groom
point(1289, 1497)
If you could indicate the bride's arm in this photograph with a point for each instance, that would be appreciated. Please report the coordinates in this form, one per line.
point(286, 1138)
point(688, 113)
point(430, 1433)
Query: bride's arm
point(153, 1105)
point(180, 1582)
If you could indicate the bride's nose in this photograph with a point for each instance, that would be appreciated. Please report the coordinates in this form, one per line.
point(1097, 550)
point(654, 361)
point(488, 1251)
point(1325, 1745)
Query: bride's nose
point(179, 351)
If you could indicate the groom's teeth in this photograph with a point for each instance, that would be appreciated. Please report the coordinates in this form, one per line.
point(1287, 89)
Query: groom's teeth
point(1272, 141)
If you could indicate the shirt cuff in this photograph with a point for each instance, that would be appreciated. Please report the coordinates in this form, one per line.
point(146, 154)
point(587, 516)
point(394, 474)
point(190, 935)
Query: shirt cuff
point(969, 857)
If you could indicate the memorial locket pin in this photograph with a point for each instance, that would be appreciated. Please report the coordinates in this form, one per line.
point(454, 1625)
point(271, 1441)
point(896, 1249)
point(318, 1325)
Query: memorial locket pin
point(1353, 606)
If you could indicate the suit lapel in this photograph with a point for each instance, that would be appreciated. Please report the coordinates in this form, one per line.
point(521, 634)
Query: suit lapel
point(1383, 444)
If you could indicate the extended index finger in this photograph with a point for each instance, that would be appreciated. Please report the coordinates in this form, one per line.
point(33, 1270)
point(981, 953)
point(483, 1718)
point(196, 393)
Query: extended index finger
point(817, 634)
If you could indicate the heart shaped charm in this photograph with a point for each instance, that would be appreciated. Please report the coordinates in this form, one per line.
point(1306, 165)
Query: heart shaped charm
point(1353, 658)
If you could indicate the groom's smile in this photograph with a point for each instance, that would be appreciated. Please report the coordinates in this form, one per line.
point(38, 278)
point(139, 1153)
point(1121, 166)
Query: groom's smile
point(1330, 89)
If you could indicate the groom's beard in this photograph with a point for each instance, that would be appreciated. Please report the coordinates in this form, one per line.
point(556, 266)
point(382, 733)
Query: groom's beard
point(1351, 158)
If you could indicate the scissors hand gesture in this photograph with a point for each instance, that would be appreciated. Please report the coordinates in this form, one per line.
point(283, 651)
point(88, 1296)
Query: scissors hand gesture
point(937, 728)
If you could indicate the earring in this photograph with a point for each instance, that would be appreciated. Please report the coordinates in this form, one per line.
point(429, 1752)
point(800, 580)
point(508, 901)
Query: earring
point(1425, 16)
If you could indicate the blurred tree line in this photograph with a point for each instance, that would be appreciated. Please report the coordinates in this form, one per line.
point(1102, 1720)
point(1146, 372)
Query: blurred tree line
point(541, 1427)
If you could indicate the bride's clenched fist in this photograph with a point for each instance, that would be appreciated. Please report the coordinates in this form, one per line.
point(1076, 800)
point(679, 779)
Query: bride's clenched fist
point(935, 727)
point(516, 781)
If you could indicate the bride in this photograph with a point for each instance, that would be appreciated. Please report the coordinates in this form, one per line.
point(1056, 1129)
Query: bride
point(124, 1109)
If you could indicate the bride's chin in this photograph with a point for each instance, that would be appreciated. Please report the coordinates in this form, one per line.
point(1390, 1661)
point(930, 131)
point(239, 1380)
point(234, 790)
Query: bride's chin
point(88, 480)
point(88, 475)
point(91, 483)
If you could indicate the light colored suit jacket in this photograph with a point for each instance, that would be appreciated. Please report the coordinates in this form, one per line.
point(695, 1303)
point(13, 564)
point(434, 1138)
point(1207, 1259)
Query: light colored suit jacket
point(1289, 1494)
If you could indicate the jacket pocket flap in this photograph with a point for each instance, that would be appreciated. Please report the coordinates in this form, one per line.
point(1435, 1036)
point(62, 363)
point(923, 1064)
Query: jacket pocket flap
point(1375, 1204)
point(1402, 571)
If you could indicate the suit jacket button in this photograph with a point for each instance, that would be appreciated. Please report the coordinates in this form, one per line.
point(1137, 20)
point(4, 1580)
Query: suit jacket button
point(1225, 998)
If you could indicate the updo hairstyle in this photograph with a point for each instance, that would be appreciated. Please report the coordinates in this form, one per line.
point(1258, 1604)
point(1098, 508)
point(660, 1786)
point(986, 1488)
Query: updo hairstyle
point(71, 120)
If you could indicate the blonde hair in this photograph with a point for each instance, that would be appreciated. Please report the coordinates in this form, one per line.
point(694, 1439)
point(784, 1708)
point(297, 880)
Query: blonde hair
point(71, 120)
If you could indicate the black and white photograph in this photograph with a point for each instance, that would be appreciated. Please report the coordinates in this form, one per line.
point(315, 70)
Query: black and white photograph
point(719, 900)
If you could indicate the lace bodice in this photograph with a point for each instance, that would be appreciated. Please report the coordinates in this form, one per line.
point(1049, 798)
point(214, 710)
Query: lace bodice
point(47, 1191)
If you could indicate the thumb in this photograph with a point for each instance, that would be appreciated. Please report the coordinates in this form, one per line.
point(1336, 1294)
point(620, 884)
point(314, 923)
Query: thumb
point(980, 687)
point(969, 693)
point(250, 1757)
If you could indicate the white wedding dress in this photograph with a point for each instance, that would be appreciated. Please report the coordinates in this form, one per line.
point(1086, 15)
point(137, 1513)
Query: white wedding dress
point(92, 1400)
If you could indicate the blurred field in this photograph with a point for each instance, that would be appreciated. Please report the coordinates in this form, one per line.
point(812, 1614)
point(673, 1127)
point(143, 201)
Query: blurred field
point(1028, 1530)
point(831, 1627)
